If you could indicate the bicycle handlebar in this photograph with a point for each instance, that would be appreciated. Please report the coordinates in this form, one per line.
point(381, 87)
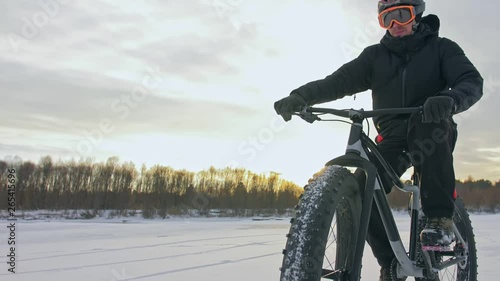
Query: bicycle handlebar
point(307, 113)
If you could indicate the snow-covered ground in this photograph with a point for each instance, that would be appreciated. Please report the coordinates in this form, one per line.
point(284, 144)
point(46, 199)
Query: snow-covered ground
point(176, 249)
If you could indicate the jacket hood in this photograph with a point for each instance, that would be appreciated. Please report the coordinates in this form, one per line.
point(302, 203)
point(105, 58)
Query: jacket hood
point(432, 21)
point(428, 27)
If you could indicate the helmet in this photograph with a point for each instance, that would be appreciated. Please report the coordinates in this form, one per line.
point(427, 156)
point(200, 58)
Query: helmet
point(418, 4)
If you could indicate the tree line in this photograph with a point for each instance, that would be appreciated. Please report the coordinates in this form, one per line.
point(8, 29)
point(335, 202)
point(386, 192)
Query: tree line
point(111, 185)
point(161, 190)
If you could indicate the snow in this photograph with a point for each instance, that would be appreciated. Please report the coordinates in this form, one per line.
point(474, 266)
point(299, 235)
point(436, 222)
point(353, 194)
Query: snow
point(178, 249)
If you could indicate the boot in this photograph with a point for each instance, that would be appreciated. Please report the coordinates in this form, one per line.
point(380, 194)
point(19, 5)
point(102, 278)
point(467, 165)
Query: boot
point(437, 234)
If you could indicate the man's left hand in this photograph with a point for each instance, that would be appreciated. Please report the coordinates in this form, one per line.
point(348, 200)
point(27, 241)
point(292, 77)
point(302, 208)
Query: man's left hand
point(437, 108)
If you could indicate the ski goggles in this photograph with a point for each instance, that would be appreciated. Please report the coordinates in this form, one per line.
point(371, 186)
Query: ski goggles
point(399, 14)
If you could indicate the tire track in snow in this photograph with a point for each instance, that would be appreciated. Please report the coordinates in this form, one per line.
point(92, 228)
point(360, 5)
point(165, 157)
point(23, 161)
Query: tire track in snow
point(204, 266)
point(158, 258)
point(147, 246)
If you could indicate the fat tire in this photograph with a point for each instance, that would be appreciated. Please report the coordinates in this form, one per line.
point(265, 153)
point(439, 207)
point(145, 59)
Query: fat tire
point(332, 192)
point(468, 271)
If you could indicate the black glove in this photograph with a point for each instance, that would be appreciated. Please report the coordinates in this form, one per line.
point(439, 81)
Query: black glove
point(286, 106)
point(437, 108)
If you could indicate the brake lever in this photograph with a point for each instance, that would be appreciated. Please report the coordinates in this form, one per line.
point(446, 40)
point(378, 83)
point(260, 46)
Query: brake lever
point(309, 117)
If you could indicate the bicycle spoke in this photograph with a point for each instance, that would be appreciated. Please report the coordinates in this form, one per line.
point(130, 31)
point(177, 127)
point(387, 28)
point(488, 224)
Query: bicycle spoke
point(333, 241)
point(333, 238)
point(330, 264)
point(449, 275)
point(332, 232)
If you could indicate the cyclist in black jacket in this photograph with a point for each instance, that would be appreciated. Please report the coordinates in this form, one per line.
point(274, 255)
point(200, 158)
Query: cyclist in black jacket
point(411, 66)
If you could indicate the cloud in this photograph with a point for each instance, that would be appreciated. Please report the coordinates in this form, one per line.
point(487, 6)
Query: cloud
point(32, 152)
point(76, 101)
point(192, 57)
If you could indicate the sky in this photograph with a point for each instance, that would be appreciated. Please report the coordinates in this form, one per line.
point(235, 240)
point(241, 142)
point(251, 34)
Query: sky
point(191, 84)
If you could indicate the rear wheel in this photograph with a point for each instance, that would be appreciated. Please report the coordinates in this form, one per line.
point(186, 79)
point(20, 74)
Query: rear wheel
point(321, 239)
point(465, 270)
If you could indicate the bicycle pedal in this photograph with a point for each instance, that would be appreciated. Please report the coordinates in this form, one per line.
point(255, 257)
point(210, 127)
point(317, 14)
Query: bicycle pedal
point(437, 248)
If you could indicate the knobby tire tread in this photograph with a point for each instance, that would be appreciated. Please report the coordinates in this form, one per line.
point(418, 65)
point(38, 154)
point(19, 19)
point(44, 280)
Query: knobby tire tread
point(334, 190)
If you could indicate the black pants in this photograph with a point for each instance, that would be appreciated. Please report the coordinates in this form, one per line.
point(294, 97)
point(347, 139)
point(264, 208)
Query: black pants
point(428, 147)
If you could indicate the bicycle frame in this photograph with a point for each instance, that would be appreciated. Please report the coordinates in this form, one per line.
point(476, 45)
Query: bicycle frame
point(363, 153)
point(358, 147)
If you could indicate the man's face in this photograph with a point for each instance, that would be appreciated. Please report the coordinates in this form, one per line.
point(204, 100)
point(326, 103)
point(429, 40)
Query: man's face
point(398, 30)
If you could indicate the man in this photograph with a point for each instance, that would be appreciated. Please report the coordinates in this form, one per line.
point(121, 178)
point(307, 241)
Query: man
point(411, 66)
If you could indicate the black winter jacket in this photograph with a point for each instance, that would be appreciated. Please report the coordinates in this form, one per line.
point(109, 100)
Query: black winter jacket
point(403, 72)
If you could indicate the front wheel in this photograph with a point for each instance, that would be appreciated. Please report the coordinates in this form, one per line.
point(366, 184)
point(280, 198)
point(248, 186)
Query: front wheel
point(321, 239)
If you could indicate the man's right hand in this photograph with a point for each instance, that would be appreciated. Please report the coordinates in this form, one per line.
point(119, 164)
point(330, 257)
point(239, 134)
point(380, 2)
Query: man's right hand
point(286, 106)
